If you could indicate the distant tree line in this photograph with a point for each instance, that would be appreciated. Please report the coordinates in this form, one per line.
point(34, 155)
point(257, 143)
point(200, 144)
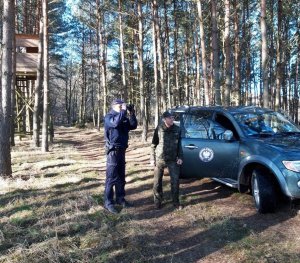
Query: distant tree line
point(158, 54)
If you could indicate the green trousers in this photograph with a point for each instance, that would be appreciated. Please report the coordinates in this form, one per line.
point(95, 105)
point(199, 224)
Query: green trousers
point(174, 178)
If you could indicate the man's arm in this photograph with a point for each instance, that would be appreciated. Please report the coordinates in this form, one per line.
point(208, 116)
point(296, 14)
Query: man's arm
point(113, 121)
point(132, 121)
point(179, 150)
point(155, 142)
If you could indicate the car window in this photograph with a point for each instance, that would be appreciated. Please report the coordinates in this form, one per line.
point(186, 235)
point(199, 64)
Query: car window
point(196, 127)
point(177, 117)
point(200, 125)
point(269, 122)
point(227, 124)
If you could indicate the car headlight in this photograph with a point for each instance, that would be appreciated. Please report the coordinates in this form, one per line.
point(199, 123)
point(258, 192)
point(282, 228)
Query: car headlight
point(292, 165)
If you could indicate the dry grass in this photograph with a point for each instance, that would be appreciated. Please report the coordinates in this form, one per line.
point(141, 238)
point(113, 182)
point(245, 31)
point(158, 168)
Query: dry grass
point(51, 211)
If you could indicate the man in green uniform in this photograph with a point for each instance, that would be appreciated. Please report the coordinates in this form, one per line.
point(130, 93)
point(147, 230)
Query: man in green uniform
point(166, 152)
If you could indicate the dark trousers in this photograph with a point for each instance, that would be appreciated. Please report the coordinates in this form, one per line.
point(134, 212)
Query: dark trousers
point(174, 178)
point(115, 177)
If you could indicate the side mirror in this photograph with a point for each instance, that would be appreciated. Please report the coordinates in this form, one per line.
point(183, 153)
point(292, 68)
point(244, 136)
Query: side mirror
point(228, 135)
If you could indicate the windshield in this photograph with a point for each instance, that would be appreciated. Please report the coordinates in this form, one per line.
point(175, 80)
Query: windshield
point(266, 123)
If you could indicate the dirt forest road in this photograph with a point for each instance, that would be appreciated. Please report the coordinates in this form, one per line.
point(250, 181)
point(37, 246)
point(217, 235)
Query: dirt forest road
point(54, 209)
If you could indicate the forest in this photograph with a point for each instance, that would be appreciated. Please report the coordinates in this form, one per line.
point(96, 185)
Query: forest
point(155, 54)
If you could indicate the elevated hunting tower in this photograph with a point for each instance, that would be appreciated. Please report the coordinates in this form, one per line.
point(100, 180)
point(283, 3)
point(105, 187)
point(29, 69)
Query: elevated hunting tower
point(26, 75)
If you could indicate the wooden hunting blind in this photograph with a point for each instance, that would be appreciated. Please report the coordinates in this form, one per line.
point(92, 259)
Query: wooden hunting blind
point(26, 74)
point(26, 56)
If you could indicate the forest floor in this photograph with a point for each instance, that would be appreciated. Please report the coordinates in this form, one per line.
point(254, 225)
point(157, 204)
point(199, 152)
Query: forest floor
point(52, 211)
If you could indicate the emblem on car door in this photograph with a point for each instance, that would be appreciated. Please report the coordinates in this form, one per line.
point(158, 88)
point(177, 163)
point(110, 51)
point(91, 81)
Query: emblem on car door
point(206, 154)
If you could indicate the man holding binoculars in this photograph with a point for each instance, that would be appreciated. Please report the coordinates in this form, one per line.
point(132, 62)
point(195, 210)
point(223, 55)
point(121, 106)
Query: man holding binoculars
point(117, 124)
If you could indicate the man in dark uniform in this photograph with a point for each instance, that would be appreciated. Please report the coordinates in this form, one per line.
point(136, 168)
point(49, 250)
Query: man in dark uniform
point(166, 152)
point(117, 124)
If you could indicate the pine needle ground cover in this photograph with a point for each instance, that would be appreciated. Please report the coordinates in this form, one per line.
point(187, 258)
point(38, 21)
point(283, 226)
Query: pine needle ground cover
point(51, 211)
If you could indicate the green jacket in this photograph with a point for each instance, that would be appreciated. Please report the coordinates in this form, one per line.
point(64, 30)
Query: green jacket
point(165, 143)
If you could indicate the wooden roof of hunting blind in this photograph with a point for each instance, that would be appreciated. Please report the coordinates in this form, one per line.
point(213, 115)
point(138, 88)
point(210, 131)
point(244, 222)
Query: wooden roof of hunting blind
point(26, 56)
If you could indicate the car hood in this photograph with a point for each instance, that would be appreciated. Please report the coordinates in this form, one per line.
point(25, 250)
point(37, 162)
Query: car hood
point(282, 143)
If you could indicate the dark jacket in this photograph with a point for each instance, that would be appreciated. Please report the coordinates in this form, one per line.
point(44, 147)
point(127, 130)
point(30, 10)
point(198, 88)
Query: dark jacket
point(116, 126)
point(165, 143)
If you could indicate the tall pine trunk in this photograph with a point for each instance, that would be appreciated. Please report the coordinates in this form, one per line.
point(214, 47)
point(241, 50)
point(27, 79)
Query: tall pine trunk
point(215, 51)
point(203, 53)
point(82, 108)
point(177, 99)
point(227, 54)
point(278, 56)
point(198, 100)
point(154, 51)
point(124, 88)
point(13, 93)
point(186, 85)
point(103, 64)
point(167, 51)
point(6, 74)
point(45, 140)
point(141, 73)
point(296, 91)
point(237, 56)
point(98, 26)
point(264, 54)
point(160, 57)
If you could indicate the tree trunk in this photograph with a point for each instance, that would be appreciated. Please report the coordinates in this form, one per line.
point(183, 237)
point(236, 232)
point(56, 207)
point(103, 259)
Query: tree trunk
point(199, 99)
point(246, 48)
point(227, 54)
point(103, 64)
point(45, 142)
point(278, 56)
point(296, 91)
point(264, 54)
point(98, 26)
point(160, 56)
point(160, 59)
point(28, 95)
point(285, 72)
point(82, 107)
point(215, 48)
point(69, 92)
point(176, 68)
point(141, 73)
point(154, 38)
point(272, 59)
point(6, 74)
point(167, 48)
point(237, 57)
point(124, 88)
point(131, 67)
point(13, 93)
point(203, 54)
point(186, 69)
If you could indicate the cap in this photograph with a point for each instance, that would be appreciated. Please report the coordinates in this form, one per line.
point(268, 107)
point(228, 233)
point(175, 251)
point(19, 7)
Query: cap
point(117, 101)
point(166, 114)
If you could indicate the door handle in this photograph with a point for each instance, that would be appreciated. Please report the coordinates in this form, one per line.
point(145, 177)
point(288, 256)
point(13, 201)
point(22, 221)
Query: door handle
point(191, 146)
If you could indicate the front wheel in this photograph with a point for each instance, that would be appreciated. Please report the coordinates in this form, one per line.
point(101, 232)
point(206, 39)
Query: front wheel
point(263, 192)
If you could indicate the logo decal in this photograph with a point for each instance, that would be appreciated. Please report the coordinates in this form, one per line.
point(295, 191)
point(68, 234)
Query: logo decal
point(206, 155)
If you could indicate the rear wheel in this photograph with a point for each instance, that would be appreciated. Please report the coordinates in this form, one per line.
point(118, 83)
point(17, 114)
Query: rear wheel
point(263, 192)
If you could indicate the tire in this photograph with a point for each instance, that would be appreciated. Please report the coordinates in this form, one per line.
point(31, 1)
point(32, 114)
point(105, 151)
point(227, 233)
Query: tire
point(263, 192)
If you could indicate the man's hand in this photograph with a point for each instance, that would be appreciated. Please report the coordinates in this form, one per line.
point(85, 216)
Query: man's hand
point(131, 112)
point(152, 163)
point(124, 106)
point(179, 162)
